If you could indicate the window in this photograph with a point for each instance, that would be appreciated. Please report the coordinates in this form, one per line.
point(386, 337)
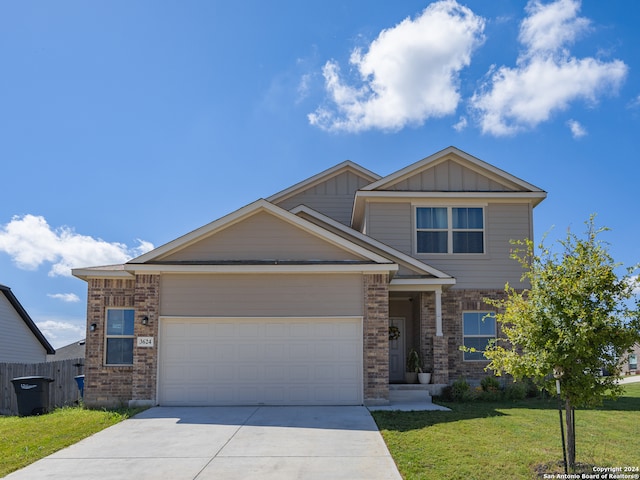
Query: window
point(450, 230)
point(478, 328)
point(633, 362)
point(119, 338)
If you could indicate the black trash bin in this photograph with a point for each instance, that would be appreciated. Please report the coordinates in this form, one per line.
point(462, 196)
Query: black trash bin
point(80, 381)
point(32, 394)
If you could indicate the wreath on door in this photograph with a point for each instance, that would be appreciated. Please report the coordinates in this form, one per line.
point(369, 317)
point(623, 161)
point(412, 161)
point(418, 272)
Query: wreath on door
point(394, 332)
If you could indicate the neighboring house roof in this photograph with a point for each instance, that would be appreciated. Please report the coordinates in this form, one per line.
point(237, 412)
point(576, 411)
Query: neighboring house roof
point(73, 350)
point(26, 318)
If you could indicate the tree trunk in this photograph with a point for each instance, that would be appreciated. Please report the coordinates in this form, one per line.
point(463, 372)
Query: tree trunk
point(571, 435)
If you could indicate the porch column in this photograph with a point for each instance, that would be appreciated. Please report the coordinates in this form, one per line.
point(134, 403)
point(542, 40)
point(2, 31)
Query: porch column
point(376, 339)
point(440, 360)
point(438, 293)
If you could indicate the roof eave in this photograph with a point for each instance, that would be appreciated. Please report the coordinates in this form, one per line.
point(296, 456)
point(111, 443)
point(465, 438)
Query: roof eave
point(27, 319)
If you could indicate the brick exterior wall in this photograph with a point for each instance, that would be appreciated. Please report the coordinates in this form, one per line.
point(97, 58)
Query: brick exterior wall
point(376, 338)
point(145, 359)
point(105, 386)
point(109, 386)
point(442, 355)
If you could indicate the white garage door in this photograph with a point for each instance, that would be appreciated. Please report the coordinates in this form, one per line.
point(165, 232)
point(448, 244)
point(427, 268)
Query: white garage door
point(260, 361)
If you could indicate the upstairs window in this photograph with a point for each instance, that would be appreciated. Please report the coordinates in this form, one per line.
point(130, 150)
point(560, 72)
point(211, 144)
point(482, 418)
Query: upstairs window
point(119, 337)
point(449, 230)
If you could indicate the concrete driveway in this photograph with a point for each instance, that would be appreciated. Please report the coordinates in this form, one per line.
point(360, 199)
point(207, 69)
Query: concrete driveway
point(207, 443)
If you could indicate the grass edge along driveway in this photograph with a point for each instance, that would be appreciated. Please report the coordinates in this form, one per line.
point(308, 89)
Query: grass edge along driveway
point(515, 440)
point(23, 440)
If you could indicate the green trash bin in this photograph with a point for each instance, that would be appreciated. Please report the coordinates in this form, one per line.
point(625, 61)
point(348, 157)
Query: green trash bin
point(32, 394)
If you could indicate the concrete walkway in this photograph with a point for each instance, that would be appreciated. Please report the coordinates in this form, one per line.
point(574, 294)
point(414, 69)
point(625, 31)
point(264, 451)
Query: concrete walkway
point(206, 443)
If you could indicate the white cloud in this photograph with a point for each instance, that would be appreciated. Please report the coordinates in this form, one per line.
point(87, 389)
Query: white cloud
point(635, 282)
point(460, 125)
point(546, 79)
point(30, 241)
point(408, 74)
point(65, 297)
point(550, 27)
point(577, 130)
point(61, 332)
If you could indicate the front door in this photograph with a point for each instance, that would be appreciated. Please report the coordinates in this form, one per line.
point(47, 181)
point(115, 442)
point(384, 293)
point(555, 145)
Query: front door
point(396, 349)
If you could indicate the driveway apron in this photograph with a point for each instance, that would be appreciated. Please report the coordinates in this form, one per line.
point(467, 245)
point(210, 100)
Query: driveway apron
point(243, 443)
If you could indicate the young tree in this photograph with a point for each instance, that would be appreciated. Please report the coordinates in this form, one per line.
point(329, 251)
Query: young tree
point(577, 317)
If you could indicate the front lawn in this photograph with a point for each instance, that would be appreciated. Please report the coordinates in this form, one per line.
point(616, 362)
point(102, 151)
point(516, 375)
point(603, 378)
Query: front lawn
point(514, 440)
point(23, 440)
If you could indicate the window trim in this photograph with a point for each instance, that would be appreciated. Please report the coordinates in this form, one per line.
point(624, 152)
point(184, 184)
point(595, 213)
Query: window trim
point(107, 336)
point(450, 230)
point(464, 336)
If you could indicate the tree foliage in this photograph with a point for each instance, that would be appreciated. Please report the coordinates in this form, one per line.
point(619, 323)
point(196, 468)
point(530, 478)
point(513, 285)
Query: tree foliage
point(577, 316)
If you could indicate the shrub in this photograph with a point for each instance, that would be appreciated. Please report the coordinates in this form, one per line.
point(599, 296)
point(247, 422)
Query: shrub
point(516, 391)
point(461, 391)
point(490, 384)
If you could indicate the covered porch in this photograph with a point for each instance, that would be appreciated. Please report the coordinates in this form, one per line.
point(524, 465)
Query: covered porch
point(415, 323)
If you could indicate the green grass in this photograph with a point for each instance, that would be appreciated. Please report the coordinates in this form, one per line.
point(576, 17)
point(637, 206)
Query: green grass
point(514, 440)
point(23, 440)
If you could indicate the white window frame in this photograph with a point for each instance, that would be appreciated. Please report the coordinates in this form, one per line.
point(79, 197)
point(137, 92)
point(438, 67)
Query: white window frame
point(488, 337)
point(450, 230)
point(107, 336)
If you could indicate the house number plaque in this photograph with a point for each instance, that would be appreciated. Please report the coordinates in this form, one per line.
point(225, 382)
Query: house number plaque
point(145, 341)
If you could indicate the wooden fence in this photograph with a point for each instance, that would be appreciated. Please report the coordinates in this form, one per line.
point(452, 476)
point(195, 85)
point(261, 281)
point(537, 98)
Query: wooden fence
point(63, 390)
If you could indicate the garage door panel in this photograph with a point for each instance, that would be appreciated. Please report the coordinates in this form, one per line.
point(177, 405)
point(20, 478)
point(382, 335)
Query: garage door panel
point(307, 361)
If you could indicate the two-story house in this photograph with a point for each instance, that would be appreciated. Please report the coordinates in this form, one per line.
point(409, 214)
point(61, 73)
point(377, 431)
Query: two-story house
point(290, 300)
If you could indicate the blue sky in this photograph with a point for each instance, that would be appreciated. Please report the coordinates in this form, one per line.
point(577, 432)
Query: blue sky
point(125, 124)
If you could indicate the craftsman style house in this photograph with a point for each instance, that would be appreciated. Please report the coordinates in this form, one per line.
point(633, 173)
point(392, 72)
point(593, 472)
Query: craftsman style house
point(316, 294)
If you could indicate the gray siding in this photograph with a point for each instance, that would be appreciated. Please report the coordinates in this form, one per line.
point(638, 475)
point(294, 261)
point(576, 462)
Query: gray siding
point(261, 295)
point(449, 176)
point(333, 197)
point(17, 342)
point(392, 223)
point(262, 237)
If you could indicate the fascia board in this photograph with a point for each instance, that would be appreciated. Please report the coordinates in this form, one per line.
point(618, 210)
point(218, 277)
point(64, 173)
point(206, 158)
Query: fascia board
point(86, 273)
point(420, 285)
point(412, 262)
point(421, 194)
point(256, 269)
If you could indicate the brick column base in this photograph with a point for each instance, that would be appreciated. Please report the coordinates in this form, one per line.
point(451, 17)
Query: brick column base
point(440, 360)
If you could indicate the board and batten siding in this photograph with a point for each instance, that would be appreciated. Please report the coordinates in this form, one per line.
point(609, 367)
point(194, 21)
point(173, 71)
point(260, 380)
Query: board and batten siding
point(17, 342)
point(333, 197)
point(450, 176)
point(261, 237)
point(262, 295)
point(392, 224)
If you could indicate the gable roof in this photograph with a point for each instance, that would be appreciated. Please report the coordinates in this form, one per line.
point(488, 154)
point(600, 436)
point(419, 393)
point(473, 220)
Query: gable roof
point(346, 166)
point(497, 175)
point(157, 260)
point(26, 318)
point(498, 184)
